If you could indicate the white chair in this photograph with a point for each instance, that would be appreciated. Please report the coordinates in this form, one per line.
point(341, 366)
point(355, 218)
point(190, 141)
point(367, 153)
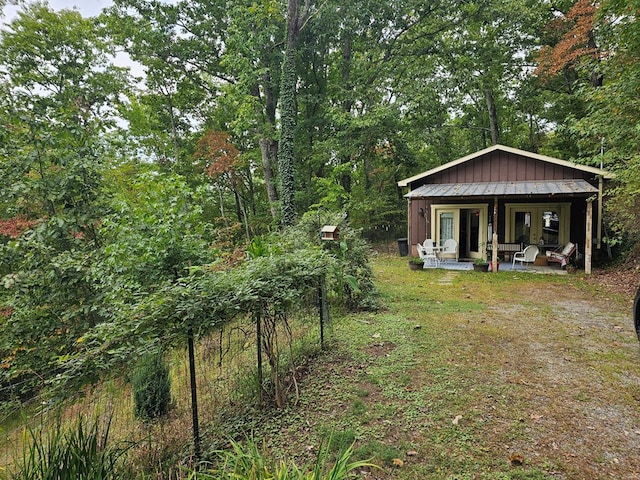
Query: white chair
point(528, 255)
point(428, 254)
point(450, 247)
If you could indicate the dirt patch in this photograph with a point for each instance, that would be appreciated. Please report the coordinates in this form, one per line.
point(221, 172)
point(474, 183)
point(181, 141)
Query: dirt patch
point(380, 348)
point(576, 367)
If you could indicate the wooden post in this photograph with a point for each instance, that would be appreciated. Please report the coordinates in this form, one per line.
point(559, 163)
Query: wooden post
point(494, 237)
point(599, 224)
point(588, 241)
point(409, 226)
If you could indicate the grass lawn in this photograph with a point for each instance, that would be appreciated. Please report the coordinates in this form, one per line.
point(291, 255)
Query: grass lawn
point(462, 375)
point(469, 375)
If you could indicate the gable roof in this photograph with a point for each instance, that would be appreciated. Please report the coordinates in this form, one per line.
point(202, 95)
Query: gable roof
point(515, 151)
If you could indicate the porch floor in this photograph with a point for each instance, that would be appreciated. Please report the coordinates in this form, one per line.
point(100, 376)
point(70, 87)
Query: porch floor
point(464, 264)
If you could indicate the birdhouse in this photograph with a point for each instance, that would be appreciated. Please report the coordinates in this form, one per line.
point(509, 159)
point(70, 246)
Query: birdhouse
point(330, 232)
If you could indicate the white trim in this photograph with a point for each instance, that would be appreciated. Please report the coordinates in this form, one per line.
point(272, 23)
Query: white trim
point(456, 208)
point(564, 211)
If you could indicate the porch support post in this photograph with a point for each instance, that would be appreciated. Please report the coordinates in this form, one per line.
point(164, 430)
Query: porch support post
point(599, 224)
point(588, 241)
point(494, 237)
point(409, 227)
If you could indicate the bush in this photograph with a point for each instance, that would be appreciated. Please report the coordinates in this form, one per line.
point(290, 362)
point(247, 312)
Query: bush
point(350, 281)
point(151, 388)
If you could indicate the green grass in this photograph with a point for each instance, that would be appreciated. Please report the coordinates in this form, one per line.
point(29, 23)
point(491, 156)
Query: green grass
point(462, 376)
point(449, 381)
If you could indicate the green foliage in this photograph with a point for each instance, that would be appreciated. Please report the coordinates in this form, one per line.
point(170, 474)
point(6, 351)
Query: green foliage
point(352, 276)
point(286, 159)
point(151, 386)
point(249, 462)
point(58, 91)
point(80, 453)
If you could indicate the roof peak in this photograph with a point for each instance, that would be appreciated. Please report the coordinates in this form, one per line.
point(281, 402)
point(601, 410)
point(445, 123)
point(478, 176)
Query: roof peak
point(515, 151)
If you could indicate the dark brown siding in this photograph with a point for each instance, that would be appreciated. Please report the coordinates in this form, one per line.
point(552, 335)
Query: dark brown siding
point(505, 167)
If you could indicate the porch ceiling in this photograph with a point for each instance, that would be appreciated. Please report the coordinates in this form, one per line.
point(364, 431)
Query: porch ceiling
point(489, 189)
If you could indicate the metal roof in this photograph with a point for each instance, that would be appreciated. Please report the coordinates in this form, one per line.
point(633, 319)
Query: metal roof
point(489, 189)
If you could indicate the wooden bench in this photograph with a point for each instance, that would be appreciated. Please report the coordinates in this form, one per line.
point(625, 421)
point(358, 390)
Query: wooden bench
point(506, 249)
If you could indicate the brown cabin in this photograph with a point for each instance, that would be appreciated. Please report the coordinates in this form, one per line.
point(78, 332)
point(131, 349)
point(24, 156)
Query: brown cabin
point(525, 198)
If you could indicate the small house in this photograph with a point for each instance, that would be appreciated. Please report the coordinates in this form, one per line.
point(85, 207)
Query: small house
point(525, 198)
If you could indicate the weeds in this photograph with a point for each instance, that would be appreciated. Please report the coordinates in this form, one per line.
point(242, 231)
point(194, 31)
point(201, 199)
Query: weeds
point(250, 462)
point(80, 453)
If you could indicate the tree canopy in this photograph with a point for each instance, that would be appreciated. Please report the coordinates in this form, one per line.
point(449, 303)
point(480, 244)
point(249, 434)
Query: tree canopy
point(254, 115)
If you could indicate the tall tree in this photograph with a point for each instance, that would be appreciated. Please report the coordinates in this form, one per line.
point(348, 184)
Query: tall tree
point(222, 63)
point(484, 59)
point(296, 16)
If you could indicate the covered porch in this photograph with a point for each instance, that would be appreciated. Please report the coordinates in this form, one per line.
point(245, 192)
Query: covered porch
point(499, 200)
point(467, 265)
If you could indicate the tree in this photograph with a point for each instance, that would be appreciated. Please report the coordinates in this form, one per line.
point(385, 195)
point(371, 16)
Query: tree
point(214, 62)
point(288, 111)
point(484, 59)
point(222, 163)
point(577, 46)
point(59, 94)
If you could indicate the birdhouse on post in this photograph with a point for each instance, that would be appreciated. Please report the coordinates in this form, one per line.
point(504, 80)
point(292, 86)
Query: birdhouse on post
point(330, 232)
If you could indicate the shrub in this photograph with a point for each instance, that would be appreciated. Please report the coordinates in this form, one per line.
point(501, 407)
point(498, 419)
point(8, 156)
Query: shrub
point(151, 387)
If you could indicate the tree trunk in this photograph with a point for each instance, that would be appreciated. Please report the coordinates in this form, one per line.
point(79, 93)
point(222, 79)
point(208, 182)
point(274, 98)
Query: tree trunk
point(493, 115)
point(268, 146)
point(288, 112)
point(347, 103)
point(269, 150)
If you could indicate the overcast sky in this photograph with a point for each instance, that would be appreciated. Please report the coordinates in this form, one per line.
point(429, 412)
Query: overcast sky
point(88, 8)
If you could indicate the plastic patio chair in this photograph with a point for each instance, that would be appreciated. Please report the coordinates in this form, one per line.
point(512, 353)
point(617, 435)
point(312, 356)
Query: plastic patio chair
point(528, 255)
point(450, 247)
point(428, 254)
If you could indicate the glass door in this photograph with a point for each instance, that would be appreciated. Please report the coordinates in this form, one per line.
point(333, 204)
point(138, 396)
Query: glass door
point(466, 224)
point(542, 224)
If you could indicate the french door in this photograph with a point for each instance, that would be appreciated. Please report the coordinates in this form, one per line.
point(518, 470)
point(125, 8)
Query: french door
point(541, 224)
point(466, 224)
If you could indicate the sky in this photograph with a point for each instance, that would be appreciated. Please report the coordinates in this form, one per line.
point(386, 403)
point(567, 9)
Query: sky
point(88, 8)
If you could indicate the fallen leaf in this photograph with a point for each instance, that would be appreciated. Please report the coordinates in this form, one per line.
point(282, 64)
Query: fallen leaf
point(457, 419)
point(397, 462)
point(412, 453)
point(516, 459)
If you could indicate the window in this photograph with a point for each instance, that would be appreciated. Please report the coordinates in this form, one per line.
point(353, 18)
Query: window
point(447, 226)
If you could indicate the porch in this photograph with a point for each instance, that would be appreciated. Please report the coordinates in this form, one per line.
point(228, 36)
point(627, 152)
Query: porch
point(467, 264)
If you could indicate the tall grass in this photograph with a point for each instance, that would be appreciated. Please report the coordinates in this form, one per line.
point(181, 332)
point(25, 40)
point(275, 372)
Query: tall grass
point(80, 453)
point(249, 462)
